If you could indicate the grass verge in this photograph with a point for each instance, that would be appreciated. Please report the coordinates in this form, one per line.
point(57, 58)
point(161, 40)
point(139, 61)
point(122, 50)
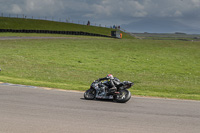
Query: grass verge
point(34, 24)
point(161, 68)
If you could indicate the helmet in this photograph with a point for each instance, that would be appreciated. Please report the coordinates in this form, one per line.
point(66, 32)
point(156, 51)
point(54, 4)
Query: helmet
point(110, 76)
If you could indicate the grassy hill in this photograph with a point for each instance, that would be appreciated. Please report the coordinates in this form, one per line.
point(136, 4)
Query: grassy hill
point(33, 24)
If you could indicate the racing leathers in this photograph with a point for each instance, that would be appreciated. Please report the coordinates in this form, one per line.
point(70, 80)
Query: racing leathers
point(113, 82)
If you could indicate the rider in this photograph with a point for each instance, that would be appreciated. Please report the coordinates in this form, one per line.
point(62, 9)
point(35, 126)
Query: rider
point(113, 81)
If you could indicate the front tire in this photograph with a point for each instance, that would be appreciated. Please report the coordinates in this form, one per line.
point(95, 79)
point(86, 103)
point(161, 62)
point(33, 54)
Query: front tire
point(90, 94)
point(123, 96)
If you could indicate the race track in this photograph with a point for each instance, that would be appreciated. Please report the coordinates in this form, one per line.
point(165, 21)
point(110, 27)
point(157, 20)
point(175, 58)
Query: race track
point(27, 109)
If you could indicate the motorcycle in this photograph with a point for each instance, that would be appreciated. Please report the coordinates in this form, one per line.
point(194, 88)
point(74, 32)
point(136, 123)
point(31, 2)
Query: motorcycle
point(101, 90)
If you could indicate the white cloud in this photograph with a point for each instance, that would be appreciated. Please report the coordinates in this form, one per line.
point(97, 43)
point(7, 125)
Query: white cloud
point(108, 9)
point(42, 7)
point(16, 9)
point(105, 11)
point(196, 3)
point(116, 10)
point(178, 13)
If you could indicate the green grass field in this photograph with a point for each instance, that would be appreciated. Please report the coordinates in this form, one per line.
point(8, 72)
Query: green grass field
point(160, 68)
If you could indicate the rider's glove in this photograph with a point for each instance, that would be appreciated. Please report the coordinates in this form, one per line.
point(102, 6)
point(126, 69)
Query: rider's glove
point(96, 80)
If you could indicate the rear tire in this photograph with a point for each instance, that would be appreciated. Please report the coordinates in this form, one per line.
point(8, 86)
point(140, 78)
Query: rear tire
point(123, 96)
point(90, 94)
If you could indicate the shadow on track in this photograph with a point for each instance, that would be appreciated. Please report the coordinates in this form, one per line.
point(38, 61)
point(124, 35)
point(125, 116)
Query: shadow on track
point(100, 100)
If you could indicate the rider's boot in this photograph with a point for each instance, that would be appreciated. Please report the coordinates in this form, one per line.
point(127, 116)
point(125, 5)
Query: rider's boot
point(112, 90)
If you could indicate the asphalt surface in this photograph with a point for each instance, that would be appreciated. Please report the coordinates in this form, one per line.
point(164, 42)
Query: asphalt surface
point(28, 109)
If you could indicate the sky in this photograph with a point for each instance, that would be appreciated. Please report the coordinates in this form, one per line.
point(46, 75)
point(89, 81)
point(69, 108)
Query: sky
point(153, 16)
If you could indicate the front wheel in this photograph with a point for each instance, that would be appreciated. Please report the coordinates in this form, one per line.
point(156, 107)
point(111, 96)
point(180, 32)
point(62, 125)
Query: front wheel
point(90, 94)
point(123, 96)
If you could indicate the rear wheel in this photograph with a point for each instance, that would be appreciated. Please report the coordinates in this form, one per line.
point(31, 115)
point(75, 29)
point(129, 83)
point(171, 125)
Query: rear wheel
point(123, 96)
point(90, 94)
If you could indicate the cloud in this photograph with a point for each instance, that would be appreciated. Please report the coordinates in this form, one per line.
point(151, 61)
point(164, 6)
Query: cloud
point(114, 8)
point(42, 7)
point(178, 13)
point(196, 3)
point(16, 9)
point(107, 11)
